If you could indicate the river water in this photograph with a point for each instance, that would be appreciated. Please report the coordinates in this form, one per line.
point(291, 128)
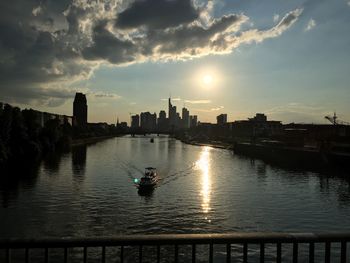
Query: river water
point(90, 192)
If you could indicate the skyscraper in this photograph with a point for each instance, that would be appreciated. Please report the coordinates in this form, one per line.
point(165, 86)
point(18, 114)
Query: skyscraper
point(193, 121)
point(148, 121)
point(172, 116)
point(162, 123)
point(80, 109)
point(135, 121)
point(221, 119)
point(185, 118)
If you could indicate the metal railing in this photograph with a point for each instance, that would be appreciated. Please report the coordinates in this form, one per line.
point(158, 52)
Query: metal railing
point(245, 240)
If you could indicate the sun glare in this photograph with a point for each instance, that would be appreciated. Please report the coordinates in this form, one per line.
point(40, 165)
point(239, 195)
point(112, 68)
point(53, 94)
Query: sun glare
point(207, 79)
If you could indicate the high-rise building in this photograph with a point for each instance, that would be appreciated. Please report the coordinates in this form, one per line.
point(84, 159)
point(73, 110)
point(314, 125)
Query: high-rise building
point(193, 121)
point(80, 109)
point(221, 119)
point(135, 121)
point(172, 116)
point(259, 117)
point(148, 121)
point(162, 123)
point(185, 118)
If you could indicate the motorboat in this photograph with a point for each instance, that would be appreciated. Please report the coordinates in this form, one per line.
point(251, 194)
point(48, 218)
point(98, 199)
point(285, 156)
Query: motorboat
point(149, 180)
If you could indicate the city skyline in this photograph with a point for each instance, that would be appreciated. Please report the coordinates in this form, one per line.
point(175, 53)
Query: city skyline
point(288, 60)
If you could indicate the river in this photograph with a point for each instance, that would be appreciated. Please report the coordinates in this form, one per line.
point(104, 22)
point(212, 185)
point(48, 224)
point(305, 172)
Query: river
point(90, 192)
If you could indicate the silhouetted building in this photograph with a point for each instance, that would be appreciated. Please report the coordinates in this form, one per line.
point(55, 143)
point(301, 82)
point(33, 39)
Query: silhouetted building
point(221, 119)
point(135, 121)
point(122, 126)
point(256, 126)
point(80, 109)
point(148, 121)
point(193, 121)
point(173, 119)
point(185, 118)
point(259, 117)
point(162, 123)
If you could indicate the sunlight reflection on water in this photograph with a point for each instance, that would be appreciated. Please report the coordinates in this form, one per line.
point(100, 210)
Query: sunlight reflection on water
point(203, 164)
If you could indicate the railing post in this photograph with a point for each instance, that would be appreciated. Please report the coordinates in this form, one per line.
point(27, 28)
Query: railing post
point(343, 252)
point(228, 253)
point(85, 254)
point(103, 254)
point(121, 254)
point(27, 255)
point(65, 256)
point(46, 255)
point(211, 253)
point(8, 255)
point(312, 252)
point(193, 253)
point(279, 252)
point(295, 252)
point(327, 256)
point(158, 253)
point(262, 252)
point(245, 253)
point(140, 254)
point(176, 256)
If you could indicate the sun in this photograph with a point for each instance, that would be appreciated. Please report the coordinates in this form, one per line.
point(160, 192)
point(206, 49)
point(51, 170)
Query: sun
point(207, 79)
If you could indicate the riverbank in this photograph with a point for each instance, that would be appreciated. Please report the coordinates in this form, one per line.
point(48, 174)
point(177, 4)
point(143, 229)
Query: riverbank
point(214, 144)
point(90, 140)
point(301, 157)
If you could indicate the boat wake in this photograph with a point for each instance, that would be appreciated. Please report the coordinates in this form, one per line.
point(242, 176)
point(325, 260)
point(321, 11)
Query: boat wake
point(176, 175)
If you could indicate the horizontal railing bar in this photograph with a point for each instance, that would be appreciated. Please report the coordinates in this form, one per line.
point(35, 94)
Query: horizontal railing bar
point(171, 239)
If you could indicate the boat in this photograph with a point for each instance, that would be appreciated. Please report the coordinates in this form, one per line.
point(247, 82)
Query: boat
point(149, 180)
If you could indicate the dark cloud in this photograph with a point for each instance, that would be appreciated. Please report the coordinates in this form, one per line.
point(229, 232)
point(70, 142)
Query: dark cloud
point(192, 36)
point(108, 47)
point(45, 46)
point(157, 14)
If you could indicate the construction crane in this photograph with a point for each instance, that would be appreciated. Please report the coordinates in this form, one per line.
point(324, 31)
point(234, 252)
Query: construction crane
point(335, 121)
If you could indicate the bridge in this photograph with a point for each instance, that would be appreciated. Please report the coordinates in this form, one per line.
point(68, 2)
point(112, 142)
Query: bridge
point(275, 247)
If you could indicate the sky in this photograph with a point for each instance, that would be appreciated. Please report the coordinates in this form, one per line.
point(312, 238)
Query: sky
point(288, 59)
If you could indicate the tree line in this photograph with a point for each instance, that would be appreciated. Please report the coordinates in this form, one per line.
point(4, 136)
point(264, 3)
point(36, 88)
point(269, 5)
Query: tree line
point(24, 139)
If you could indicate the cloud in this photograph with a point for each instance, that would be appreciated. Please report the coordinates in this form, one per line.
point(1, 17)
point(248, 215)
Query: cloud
point(157, 14)
point(310, 25)
point(198, 101)
point(172, 99)
point(49, 47)
point(217, 108)
point(104, 95)
point(210, 110)
point(257, 36)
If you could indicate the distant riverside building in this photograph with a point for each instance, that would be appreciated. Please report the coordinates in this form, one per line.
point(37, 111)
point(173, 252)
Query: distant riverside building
point(135, 121)
point(260, 117)
point(185, 118)
point(80, 109)
point(221, 119)
point(256, 126)
point(148, 121)
point(162, 123)
point(122, 126)
point(173, 118)
point(193, 121)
